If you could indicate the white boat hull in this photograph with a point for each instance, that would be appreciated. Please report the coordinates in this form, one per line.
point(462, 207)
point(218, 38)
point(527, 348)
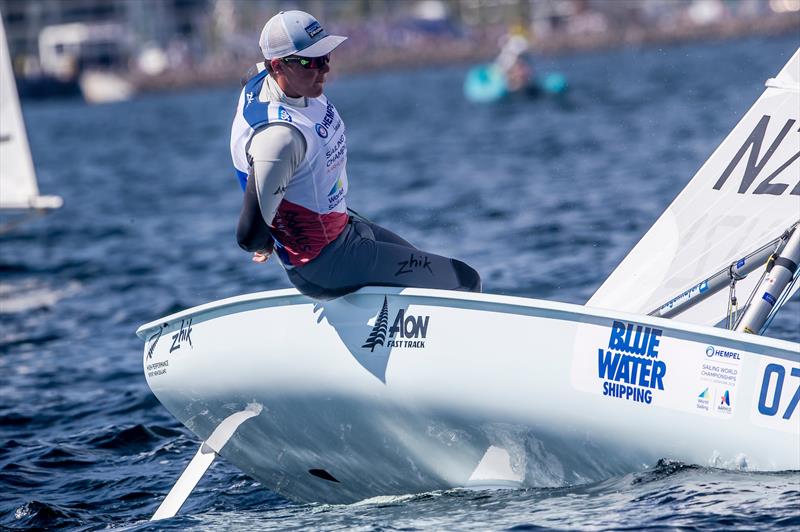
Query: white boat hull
point(341, 393)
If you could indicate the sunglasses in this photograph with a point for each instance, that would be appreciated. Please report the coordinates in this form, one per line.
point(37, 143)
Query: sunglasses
point(308, 62)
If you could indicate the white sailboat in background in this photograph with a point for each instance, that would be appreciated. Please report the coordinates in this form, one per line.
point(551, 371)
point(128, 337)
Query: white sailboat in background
point(94, 53)
point(390, 391)
point(19, 190)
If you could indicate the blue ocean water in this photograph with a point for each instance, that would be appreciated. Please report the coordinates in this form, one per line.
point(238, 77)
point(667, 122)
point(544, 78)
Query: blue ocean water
point(543, 197)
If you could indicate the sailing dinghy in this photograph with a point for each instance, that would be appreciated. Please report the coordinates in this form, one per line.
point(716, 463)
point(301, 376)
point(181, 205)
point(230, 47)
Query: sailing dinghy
point(18, 188)
point(393, 391)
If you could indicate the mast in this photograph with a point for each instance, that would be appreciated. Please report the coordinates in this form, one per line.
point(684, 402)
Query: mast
point(771, 291)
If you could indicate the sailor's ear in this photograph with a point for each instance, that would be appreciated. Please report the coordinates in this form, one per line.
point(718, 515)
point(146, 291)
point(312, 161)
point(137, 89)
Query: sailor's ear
point(277, 65)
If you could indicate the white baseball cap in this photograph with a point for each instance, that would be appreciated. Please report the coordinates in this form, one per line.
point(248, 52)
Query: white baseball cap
point(296, 32)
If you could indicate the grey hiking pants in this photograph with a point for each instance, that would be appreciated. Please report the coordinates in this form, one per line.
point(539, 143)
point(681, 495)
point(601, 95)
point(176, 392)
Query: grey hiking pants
point(366, 254)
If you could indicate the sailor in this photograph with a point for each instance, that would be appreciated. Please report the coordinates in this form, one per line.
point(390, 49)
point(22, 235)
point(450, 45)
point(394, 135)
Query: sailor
point(289, 149)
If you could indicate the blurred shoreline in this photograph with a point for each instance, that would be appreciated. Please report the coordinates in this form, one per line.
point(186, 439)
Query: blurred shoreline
point(220, 70)
point(112, 50)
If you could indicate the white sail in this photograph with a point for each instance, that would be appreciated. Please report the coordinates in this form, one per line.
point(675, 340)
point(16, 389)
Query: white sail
point(18, 188)
point(746, 195)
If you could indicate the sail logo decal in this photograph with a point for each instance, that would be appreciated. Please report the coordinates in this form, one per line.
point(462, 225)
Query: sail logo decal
point(756, 161)
point(629, 366)
point(407, 331)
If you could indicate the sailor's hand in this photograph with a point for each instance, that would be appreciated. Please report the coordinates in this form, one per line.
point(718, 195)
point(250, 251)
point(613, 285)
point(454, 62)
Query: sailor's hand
point(261, 256)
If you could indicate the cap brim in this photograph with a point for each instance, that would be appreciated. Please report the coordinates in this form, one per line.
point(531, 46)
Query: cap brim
point(322, 47)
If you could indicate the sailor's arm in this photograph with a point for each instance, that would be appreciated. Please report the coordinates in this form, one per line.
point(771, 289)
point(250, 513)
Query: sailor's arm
point(252, 233)
point(276, 152)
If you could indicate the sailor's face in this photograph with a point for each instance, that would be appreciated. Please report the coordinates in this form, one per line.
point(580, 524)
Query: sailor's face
point(308, 82)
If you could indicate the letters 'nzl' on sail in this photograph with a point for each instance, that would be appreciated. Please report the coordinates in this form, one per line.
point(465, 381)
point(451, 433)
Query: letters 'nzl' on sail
point(745, 195)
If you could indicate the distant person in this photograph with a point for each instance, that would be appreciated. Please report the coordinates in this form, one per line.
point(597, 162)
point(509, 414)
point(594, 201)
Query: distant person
point(290, 154)
point(519, 76)
point(513, 60)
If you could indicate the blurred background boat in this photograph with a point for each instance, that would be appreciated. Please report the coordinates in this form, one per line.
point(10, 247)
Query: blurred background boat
point(96, 55)
point(512, 74)
point(19, 190)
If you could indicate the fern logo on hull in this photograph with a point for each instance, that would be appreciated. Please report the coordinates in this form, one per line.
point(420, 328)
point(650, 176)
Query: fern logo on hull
point(378, 334)
point(407, 331)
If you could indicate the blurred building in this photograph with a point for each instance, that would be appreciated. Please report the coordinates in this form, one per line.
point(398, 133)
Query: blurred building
point(172, 43)
point(140, 23)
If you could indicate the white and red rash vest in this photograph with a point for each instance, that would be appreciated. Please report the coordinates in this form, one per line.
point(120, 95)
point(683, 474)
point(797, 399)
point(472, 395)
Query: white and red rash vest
point(313, 211)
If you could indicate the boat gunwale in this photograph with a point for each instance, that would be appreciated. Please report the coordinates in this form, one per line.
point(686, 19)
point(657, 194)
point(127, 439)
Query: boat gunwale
point(552, 309)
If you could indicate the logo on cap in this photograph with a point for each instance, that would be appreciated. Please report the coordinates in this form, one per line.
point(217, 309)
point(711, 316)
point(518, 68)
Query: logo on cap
point(313, 29)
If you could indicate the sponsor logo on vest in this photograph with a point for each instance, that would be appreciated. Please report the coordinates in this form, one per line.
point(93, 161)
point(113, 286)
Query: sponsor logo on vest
point(413, 264)
point(334, 156)
point(630, 368)
point(336, 194)
point(406, 331)
point(250, 97)
point(313, 29)
point(183, 335)
point(327, 120)
point(283, 114)
point(322, 131)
